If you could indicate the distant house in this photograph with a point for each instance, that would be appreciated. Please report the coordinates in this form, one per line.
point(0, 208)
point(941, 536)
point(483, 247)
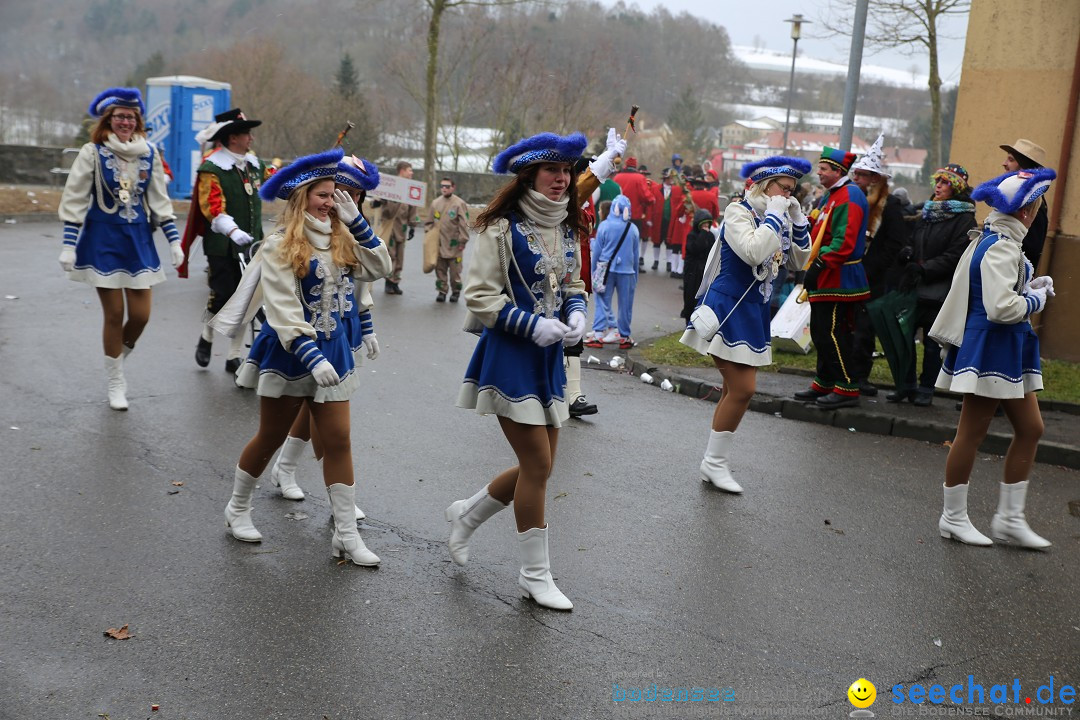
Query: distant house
point(740, 132)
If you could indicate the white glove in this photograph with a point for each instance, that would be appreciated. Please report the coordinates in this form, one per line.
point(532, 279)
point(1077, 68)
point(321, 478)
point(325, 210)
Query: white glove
point(548, 331)
point(177, 254)
point(576, 322)
point(604, 164)
point(346, 208)
point(325, 375)
point(777, 205)
point(795, 211)
point(67, 258)
point(371, 344)
point(1044, 281)
point(1040, 298)
point(241, 238)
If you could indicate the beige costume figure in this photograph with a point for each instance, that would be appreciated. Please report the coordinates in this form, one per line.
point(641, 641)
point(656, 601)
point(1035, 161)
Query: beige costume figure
point(451, 215)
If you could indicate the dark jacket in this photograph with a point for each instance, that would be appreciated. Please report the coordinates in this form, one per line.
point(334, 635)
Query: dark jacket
point(938, 247)
point(1036, 236)
point(882, 269)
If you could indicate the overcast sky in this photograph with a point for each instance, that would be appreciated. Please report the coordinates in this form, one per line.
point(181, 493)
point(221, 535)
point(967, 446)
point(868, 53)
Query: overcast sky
point(744, 21)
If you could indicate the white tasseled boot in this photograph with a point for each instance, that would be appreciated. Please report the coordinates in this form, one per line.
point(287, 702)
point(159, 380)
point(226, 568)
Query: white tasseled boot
point(954, 522)
point(714, 466)
point(1009, 522)
point(535, 579)
point(347, 540)
point(464, 517)
point(238, 511)
point(283, 474)
point(114, 366)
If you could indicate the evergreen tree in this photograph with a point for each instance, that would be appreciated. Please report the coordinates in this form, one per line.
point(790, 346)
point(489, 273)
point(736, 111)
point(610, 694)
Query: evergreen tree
point(687, 120)
point(348, 85)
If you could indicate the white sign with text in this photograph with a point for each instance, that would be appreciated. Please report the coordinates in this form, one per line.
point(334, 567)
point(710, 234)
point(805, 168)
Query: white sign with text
point(399, 189)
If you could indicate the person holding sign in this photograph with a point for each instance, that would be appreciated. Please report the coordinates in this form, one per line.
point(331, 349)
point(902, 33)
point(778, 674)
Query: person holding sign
point(396, 221)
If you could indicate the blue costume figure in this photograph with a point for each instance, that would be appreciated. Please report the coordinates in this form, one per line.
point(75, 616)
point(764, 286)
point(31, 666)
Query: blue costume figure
point(992, 355)
point(525, 288)
point(303, 355)
point(114, 195)
point(615, 255)
point(761, 234)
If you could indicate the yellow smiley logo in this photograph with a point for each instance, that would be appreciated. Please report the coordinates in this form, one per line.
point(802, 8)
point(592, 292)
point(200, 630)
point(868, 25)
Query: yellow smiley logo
point(862, 693)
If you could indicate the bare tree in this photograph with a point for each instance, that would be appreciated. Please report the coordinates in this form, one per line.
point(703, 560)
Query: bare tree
point(911, 26)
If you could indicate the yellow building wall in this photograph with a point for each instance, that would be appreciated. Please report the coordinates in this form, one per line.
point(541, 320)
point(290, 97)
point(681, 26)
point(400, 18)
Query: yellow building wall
point(1019, 60)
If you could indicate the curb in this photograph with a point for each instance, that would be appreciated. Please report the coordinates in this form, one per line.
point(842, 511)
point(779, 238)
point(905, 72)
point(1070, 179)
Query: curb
point(859, 420)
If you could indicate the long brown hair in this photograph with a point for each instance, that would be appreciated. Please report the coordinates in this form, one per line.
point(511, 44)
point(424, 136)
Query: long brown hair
point(295, 248)
point(100, 132)
point(506, 201)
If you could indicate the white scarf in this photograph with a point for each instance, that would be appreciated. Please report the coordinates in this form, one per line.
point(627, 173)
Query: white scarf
point(239, 160)
point(542, 210)
point(317, 232)
point(132, 149)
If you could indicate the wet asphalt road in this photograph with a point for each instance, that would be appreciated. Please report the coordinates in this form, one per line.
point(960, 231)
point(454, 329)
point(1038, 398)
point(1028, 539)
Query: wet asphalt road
point(828, 569)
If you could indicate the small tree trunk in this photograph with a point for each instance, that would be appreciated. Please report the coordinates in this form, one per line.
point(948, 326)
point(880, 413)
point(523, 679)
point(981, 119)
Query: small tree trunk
point(431, 104)
point(936, 160)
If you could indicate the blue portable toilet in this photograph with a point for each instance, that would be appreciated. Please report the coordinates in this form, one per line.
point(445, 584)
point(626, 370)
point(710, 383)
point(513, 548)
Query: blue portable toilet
point(179, 106)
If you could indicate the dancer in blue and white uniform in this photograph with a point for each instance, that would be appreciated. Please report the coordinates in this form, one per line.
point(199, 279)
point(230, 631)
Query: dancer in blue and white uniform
point(114, 194)
point(309, 269)
point(525, 287)
point(992, 355)
point(762, 233)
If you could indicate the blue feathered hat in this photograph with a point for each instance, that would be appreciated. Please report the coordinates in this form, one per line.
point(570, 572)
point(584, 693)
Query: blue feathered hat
point(1009, 192)
point(357, 173)
point(545, 147)
point(320, 166)
point(775, 166)
point(120, 97)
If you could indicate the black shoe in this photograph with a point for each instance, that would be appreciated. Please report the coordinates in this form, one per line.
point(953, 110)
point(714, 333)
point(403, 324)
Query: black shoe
point(655, 264)
point(232, 365)
point(833, 401)
point(809, 395)
point(441, 297)
point(668, 269)
point(676, 276)
point(581, 406)
point(867, 388)
point(924, 397)
point(641, 269)
point(202, 352)
point(455, 296)
point(901, 395)
point(641, 262)
point(398, 290)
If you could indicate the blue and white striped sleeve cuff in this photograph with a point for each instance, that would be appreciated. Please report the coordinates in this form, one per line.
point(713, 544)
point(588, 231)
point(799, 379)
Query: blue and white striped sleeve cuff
point(516, 322)
point(71, 234)
point(366, 326)
point(363, 233)
point(774, 222)
point(575, 302)
point(1032, 304)
point(801, 235)
point(171, 233)
point(305, 349)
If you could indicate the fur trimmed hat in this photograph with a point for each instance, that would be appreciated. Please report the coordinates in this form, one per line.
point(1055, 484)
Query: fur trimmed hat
point(1009, 192)
point(775, 166)
point(837, 158)
point(357, 173)
point(544, 147)
point(874, 159)
point(304, 170)
point(120, 97)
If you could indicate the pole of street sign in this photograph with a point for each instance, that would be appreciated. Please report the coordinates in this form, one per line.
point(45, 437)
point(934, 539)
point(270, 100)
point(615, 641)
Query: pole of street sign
point(851, 90)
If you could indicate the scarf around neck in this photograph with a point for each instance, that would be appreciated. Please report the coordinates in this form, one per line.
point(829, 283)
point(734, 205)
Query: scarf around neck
point(542, 210)
point(1006, 226)
point(317, 232)
point(239, 159)
point(133, 148)
point(937, 210)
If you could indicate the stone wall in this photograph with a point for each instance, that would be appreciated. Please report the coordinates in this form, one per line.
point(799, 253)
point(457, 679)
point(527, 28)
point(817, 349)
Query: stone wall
point(30, 165)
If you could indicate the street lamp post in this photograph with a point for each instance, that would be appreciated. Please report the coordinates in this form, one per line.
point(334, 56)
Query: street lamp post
point(796, 32)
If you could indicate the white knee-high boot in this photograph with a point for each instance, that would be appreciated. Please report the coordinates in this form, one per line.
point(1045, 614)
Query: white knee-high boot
point(954, 522)
point(347, 540)
point(114, 366)
point(464, 517)
point(535, 578)
point(714, 466)
point(283, 474)
point(238, 511)
point(573, 379)
point(1009, 522)
point(236, 346)
point(359, 513)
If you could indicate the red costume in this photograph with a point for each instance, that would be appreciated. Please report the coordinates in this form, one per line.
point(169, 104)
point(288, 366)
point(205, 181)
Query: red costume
point(656, 213)
point(634, 186)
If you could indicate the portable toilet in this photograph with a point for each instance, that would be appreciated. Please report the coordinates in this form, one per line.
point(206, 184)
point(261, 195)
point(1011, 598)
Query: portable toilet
point(179, 106)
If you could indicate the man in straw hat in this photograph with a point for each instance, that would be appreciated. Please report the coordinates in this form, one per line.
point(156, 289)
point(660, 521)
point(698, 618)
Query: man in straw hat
point(1026, 155)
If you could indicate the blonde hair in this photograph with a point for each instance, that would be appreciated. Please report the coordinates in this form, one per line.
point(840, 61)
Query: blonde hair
point(99, 133)
point(295, 248)
point(757, 190)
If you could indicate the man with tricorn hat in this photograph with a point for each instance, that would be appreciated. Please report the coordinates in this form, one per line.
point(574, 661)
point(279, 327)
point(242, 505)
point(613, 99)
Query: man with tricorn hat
point(1026, 155)
point(227, 191)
